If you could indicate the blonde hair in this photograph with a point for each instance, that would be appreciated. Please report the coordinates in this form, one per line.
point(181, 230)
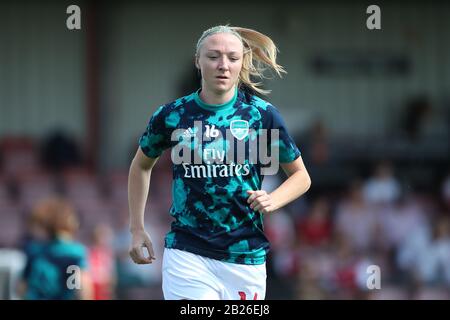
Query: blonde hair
point(260, 54)
point(59, 216)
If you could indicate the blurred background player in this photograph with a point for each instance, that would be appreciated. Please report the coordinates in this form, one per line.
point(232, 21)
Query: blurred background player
point(49, 263)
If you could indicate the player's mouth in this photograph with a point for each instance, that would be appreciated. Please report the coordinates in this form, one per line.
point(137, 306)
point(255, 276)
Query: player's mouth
point(222, 77)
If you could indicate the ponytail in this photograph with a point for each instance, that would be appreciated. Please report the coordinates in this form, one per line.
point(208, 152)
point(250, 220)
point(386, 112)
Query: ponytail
point(260, 54)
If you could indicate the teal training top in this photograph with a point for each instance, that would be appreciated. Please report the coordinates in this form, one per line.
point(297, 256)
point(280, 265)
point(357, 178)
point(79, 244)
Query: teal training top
point(215, 156)
point(49, 268)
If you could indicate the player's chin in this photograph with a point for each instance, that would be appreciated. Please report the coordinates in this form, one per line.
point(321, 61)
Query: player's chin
point(223, 88)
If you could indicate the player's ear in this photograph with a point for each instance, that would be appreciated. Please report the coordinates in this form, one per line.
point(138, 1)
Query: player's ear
point(197, 65)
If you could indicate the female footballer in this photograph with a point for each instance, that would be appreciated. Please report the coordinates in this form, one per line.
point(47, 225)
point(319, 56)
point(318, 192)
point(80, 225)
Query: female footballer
point(223, 140)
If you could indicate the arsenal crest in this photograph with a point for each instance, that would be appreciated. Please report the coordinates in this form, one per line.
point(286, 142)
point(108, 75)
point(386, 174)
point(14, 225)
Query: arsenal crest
point(239, 128)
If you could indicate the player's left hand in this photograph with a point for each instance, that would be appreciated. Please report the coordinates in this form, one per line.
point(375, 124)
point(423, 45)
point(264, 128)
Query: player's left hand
point(261, 201)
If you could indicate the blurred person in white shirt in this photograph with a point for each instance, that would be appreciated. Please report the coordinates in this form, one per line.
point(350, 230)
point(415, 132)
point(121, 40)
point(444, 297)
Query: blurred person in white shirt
point(426, 252)
point(355, 219)
point(399, 219)
point(382, 187)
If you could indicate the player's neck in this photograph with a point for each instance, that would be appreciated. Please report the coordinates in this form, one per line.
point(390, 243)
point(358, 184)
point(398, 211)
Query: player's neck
point(63, 235)
point(211, 97)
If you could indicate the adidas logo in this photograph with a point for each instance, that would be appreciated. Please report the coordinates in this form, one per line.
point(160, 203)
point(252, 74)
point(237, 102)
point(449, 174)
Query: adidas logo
point(188, 133)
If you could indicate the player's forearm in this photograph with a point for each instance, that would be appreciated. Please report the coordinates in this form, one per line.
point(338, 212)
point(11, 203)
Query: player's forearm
point(138, 186)
point(292, 188)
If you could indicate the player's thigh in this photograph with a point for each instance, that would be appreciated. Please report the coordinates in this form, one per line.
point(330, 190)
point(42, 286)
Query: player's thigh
point(187, 276)
point(243, 282)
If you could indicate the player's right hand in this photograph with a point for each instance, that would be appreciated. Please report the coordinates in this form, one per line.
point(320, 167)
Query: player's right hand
point(140, 240)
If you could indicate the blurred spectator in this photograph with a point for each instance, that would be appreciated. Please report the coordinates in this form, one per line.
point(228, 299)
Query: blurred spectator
point(398, 220)
point(345, 268)
point(417, 111)
point(102, 263)
point(59, 151)
point(316, 152)
point(425, 253)
point(318, 147)
point(382, 188)
point(310, 278)
point(315, 229)
point(47, 272)
point(355, 219)
point(280, 230)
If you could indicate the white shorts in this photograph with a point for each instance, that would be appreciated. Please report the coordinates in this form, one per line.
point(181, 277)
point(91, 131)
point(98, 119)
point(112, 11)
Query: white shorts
point(187, 275)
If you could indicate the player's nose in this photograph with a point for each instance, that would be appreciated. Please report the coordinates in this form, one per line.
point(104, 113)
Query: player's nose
point(223, 63)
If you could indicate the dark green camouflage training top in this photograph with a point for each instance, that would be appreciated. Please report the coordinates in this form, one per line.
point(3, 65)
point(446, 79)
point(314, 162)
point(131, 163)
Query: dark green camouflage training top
point(218, 153)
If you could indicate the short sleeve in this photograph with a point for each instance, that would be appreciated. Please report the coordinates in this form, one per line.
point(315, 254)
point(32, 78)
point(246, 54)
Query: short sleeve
point(78, 253)
point(155, 138)
point(288, 150)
